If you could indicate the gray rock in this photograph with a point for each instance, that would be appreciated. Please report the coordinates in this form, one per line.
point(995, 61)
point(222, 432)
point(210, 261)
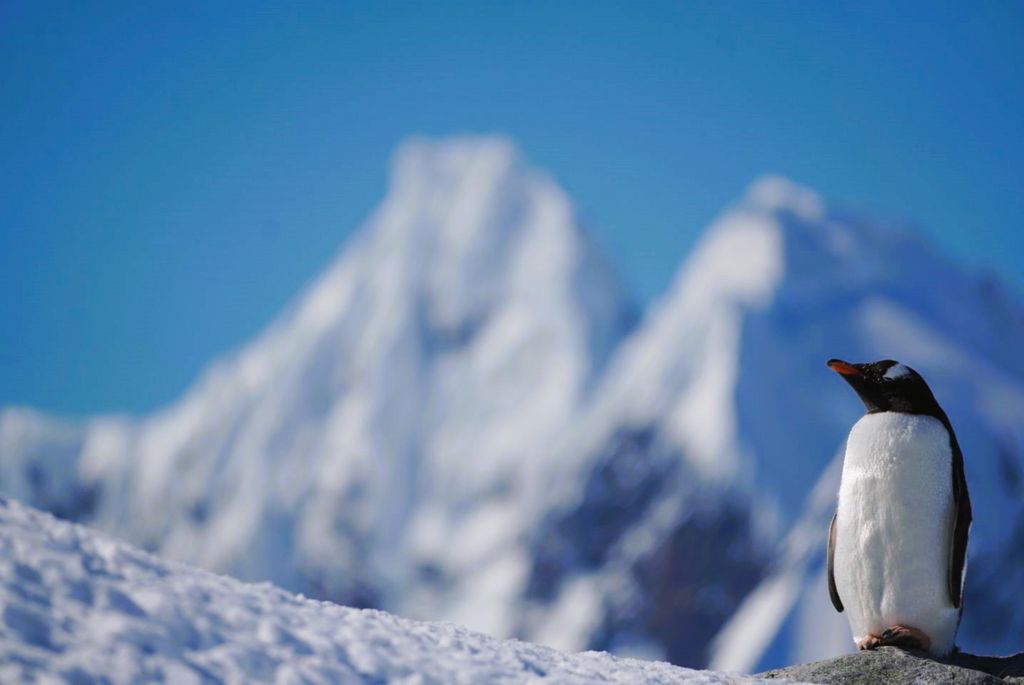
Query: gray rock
point(891, 665)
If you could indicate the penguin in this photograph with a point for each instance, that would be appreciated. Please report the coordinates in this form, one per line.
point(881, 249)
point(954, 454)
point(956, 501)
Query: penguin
point(897, 543)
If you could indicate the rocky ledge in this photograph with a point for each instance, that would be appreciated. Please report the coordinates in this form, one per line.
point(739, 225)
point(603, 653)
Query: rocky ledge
point(895, 666)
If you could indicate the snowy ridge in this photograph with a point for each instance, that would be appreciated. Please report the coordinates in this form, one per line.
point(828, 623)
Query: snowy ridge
point(659, 522)
point(80, 607)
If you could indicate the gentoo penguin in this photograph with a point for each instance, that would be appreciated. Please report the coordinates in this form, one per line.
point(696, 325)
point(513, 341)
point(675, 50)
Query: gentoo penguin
point(897, 543)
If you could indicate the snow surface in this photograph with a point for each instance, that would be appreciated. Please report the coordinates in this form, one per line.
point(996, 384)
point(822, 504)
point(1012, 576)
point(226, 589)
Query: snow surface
point(463, 419)
point(79, 607)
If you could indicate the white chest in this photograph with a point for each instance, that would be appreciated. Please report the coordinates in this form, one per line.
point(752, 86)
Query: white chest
point(894, 524)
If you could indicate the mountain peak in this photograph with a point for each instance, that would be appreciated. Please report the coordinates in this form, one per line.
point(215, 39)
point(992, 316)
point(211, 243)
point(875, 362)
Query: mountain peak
point(775, 193)
point(453, 159)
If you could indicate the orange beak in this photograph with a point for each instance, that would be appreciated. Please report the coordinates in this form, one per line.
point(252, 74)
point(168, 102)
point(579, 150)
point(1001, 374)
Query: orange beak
point(843, 368)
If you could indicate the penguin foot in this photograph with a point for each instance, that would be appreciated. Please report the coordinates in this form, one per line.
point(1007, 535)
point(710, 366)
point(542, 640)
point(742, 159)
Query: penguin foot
point(869, 642)
point(903, 637)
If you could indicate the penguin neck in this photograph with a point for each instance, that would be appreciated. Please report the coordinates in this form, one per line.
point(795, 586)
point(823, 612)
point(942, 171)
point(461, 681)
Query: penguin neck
point(933, 410)
point(921, 403)
point(883, 441)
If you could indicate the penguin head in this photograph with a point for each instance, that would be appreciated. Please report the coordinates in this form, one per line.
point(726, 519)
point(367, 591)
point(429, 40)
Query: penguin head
point(888, 385)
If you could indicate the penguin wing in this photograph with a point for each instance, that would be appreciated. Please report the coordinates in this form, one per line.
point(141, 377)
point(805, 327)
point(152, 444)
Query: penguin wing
point(961, 524)
point(832, 591)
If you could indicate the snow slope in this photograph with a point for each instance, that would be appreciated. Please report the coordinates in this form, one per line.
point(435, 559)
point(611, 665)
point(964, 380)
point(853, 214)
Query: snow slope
point(79, 607)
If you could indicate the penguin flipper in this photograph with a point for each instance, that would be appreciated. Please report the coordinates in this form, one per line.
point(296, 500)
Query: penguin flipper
point(961, 525)
point(833, 593)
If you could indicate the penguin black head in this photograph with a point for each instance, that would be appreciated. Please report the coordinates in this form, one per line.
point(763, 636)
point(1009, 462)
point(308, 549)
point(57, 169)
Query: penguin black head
point(888, 385)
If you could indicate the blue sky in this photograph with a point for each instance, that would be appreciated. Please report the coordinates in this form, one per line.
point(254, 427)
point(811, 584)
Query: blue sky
point(172, 176)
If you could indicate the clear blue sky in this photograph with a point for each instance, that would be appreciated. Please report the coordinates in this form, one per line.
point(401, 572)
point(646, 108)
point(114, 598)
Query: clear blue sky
point(172, 176)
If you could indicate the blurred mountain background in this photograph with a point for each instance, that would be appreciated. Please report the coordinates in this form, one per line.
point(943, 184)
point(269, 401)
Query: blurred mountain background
point(486, 408)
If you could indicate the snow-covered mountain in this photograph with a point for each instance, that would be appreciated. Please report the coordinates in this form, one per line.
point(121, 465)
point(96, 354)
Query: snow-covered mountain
point(462, 419)
point(380, 442)
point(79, 607)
